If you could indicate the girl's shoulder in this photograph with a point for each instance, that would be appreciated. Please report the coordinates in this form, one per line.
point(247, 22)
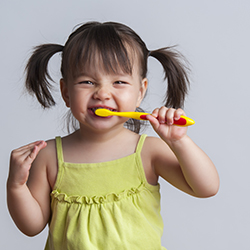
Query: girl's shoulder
point(156, 151)
point(154, 145)
point(49, 152)
point(47, 158)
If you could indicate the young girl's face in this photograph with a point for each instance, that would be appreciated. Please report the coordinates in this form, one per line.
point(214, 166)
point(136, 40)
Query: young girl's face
point(94, 88)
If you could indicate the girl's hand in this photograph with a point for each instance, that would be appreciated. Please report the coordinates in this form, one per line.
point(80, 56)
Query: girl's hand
point(162, 120)
point(20, 163)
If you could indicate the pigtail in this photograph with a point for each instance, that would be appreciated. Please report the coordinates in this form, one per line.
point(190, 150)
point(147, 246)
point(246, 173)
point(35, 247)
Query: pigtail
point(175, 73)
point(37, 75)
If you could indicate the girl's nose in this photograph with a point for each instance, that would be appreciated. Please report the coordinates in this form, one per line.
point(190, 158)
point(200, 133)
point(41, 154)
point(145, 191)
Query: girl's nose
point(102, 93)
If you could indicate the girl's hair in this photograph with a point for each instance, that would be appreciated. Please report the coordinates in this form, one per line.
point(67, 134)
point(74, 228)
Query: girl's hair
point(116, 47)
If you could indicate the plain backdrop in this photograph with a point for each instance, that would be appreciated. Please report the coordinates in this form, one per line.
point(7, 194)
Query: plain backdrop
point(213, 35)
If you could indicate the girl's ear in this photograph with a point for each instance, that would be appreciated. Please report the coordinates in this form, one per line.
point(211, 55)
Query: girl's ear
point(64, 92)
point(143, 89)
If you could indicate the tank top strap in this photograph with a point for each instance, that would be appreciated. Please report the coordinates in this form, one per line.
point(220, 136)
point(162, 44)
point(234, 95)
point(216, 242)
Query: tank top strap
point(59, 150)
point(139, 164)
point(140, 143)
point(60, 161)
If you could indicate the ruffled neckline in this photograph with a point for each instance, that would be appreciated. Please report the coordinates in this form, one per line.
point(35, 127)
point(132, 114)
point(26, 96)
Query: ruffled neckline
point(111, 197)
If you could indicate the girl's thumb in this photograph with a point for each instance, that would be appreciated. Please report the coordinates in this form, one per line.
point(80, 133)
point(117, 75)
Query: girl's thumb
point(154, 122)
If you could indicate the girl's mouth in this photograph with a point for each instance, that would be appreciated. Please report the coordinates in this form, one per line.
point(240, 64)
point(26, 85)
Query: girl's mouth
point(93, 109)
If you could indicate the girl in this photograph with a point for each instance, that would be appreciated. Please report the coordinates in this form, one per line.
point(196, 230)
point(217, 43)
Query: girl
point(98, 187)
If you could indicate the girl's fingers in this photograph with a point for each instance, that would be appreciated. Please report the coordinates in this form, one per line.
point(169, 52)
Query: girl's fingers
point(21, 160)
point(29, 151)
point(162, 115)
point(167, 115)
point(35, 150)
point(178, 114)
point(170, 116)
point(155, 113)
point(153, 120)
point(28, 146)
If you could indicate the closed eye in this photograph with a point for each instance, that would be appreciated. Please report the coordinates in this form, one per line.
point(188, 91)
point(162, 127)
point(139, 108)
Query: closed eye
point(120, 82)
point(86, 82)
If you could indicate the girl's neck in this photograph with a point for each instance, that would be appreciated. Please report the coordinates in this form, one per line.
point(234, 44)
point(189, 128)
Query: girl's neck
point(81, 147)
point(101, 136)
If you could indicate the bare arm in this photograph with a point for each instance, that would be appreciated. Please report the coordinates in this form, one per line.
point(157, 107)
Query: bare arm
point(29, 208)
point(185, 166)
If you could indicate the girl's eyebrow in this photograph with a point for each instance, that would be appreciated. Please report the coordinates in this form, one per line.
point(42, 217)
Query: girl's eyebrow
point(82, 74)
point(94, 75)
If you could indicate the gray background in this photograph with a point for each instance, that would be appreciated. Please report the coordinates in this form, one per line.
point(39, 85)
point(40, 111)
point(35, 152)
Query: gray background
point(213, 35)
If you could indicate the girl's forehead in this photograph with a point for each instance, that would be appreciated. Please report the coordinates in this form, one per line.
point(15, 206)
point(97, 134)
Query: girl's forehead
point(97, 64)
point(97, 70)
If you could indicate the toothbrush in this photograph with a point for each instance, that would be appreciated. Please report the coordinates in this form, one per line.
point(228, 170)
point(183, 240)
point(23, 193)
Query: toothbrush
point(183, 121)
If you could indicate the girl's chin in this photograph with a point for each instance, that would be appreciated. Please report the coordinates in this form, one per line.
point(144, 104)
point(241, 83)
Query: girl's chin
point(97, 123)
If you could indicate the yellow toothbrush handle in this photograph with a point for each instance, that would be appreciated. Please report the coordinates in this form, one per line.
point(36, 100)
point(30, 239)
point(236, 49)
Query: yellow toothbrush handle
point(183, 121)
point(133, 115)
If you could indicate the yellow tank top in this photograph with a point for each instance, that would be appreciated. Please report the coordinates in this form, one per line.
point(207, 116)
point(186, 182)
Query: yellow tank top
point(104, 206)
